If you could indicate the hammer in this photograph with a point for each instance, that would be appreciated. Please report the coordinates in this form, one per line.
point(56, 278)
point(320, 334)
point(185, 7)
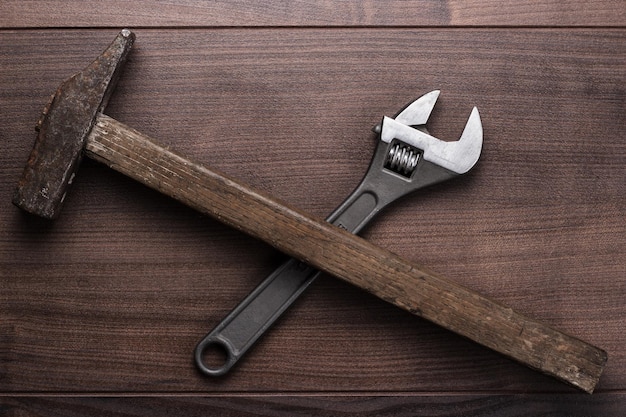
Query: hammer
point(72, 125)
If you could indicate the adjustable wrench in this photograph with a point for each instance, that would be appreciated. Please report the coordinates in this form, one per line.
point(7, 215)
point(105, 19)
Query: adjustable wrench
point(403, 162)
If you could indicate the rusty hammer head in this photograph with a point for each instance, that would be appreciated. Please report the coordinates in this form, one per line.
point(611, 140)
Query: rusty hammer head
point(63, 129)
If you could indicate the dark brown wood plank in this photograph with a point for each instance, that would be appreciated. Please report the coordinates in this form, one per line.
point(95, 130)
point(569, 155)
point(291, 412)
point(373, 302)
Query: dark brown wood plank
point(195, 13)
point(114, 296)
point(409, 404)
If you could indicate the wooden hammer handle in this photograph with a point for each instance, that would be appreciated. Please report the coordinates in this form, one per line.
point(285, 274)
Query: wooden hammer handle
point(347, 256)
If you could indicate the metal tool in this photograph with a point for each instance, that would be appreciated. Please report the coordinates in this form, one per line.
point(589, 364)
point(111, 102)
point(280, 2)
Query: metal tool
point(73, 125)
point(402, 163)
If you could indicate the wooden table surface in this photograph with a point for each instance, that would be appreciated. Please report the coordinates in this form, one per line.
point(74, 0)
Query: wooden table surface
point(100, 310)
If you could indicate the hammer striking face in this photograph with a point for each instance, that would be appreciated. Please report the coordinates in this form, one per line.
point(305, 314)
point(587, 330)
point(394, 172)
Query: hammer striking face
point(63, 129)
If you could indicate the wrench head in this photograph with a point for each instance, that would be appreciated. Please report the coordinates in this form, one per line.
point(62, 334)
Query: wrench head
point(459, 156)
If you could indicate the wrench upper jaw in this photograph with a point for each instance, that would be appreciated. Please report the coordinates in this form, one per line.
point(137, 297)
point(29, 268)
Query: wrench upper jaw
point(417, 112)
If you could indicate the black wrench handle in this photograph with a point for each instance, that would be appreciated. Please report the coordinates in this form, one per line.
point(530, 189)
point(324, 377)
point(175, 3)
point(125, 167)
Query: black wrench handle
point(267, 302)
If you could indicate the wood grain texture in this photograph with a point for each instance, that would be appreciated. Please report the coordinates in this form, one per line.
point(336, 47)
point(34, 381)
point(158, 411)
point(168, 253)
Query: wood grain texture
point(461, 405)
point(114, 296)
point(225, 13)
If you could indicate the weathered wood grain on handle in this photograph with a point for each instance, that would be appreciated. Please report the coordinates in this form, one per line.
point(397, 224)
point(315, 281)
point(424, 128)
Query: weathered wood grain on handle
point(348, 257)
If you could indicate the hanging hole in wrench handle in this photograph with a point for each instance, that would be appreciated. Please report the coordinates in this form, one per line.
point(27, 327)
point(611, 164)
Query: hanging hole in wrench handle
point(214, 357)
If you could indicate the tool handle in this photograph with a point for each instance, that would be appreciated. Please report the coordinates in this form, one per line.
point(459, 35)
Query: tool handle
point(251, 318)
point(347, 256)
point(256, 313)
